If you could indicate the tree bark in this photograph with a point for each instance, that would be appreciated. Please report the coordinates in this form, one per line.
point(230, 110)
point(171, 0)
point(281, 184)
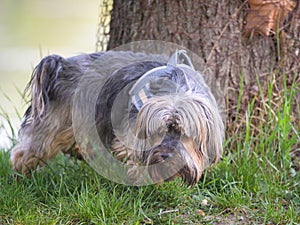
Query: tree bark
point(215, 31)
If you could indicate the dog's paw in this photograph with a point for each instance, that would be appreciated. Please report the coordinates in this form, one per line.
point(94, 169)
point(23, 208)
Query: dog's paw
point(23, 161)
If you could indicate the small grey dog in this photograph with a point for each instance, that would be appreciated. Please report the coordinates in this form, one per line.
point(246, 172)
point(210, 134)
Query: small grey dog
point(148, 111)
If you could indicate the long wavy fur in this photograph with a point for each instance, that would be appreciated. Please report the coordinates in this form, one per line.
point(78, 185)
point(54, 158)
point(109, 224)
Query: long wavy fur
point(195, 116)
point(184, 108)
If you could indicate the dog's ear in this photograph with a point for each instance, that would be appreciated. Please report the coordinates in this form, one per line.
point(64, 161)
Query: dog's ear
point(196, 155)
point(201, 121)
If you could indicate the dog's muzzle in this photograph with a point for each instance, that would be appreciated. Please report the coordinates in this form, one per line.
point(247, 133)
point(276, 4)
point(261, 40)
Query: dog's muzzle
point(171, 159)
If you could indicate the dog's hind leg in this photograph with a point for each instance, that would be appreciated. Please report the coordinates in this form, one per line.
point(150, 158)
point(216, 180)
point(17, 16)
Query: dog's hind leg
point(47, 127)
point(40, 141)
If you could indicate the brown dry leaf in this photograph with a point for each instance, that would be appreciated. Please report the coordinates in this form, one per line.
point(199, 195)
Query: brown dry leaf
point(201, 212)
point(266, 16)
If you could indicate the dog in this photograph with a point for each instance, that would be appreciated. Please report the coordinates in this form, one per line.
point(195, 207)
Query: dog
point(147, 111)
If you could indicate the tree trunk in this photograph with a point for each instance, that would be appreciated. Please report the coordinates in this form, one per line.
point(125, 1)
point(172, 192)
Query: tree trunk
point(217, 32)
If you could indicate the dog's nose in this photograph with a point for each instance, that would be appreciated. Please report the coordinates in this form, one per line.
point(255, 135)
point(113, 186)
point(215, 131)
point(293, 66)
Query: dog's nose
point(166, 155)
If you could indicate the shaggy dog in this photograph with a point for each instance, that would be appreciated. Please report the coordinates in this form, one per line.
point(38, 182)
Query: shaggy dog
point(148, 112)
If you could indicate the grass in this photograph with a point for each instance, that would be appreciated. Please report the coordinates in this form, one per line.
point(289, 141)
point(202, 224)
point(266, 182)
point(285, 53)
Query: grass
point(257, 182)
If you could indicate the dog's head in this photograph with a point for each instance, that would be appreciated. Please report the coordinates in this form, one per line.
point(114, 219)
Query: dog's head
point(176, 123)
point(178, 136)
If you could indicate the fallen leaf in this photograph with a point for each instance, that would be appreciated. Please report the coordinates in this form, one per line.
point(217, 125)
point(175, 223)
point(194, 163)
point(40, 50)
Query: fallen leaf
point(267, 16)
point(201, 212)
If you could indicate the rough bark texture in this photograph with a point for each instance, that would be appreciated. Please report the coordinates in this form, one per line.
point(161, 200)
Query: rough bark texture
point(215, 30)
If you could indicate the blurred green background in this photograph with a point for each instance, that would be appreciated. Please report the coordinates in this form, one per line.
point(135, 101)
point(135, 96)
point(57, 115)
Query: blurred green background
point(31, 29)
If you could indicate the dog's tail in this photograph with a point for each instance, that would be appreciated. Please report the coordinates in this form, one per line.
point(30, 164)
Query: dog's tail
point(43, 85)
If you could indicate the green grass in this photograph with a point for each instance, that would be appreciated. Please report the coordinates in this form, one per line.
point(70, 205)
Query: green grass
point(255, 183)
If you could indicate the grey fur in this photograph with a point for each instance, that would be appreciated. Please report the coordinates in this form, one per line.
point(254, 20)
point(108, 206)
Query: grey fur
point(180, 121)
